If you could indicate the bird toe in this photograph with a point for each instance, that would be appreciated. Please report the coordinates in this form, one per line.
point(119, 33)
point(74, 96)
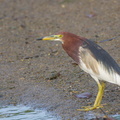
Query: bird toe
point(88, 108)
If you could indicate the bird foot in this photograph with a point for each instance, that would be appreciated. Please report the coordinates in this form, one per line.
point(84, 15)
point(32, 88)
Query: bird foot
point(88, 108)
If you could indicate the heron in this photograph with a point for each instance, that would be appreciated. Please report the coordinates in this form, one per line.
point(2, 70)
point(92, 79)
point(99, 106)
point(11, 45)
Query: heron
point(92, 59)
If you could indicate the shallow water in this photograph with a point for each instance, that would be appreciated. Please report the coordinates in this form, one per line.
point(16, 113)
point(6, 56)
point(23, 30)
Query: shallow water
point(20, 112)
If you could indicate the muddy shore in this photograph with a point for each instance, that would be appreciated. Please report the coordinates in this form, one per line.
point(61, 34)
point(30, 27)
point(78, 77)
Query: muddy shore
point(39, 73)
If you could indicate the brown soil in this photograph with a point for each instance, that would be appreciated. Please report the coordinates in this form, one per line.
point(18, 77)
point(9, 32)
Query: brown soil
point(40, 73)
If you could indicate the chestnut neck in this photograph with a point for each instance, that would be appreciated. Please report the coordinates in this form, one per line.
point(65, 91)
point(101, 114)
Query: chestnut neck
point(71, 46)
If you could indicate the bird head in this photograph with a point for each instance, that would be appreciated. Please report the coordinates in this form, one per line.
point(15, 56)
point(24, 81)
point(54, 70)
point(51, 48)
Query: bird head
point(64, 37)
point(70, 43)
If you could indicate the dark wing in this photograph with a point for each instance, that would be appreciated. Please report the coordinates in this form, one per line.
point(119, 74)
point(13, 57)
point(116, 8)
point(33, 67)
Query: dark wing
point(101, 56)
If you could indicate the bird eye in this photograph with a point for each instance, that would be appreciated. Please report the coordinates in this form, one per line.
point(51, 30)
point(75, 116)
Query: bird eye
point(60, 36)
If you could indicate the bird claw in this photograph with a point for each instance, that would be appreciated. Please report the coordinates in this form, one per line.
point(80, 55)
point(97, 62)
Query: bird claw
point(88, 108)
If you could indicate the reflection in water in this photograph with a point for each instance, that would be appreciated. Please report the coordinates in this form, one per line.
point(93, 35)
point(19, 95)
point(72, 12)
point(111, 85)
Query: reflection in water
point(20, 112)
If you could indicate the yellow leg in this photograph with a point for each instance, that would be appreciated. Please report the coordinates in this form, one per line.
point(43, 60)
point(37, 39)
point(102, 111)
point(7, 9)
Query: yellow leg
point(101, 88)
point(98, 100)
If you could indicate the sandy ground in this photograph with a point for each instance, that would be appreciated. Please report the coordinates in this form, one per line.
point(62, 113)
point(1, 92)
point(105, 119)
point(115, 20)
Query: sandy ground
point(40, 73)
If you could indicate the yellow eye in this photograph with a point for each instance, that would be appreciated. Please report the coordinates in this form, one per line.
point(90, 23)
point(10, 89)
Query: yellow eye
point(60, 36)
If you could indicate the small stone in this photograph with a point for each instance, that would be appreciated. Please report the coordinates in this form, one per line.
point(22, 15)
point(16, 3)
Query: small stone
point(85, 95)
point(53, 75)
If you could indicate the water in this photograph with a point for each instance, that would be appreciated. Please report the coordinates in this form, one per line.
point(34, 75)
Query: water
point(20, 112)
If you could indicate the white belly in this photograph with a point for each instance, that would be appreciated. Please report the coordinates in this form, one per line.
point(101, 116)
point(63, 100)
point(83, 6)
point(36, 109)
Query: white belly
point(105, 75)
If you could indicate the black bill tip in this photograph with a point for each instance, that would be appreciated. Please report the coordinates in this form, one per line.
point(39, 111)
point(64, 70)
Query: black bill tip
point(40, 38)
